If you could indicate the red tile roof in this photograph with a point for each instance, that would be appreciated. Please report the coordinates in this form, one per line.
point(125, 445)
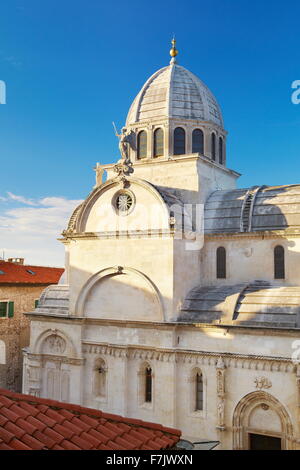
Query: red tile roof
point(19, 274)
point(31, 423)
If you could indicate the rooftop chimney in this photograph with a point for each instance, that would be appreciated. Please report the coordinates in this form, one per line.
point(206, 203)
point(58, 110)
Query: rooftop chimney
point(16, 260)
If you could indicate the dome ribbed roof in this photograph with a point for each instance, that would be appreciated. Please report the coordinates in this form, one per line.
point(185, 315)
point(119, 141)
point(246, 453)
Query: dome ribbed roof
point(174, 92)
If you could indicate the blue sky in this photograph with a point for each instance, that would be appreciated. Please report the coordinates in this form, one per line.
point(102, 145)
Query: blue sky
point(73, 67)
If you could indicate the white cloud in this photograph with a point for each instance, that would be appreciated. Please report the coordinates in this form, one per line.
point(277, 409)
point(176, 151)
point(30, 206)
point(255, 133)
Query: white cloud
point(21, 199)
point(31, 232)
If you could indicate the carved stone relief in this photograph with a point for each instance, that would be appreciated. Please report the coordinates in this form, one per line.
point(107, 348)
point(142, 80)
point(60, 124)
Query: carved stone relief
point(54, 344)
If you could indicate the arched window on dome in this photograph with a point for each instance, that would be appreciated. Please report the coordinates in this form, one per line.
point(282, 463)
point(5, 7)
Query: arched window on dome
point(279, 262)
point(213, 146)
point(221, 151)
point(179, 141)
point(142, 145)
point(198, 141)
point(158, 143)
point(221, 263)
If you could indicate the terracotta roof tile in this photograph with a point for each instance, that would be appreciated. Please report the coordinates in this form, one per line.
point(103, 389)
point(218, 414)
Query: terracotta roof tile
point(9, 414)
point(67, 445)
point(6, 435)
point(33, 443)
point(15, 444)
point(57, 447)
point(26, 426)
point(31, 423)
point(33, 411)
point(90, 438)
point(100, 437)
point(4, 446)
point(107, 432)
point(114, 428)
point(40, 436)
point(3, 419)
point(45, 419)
point(15, 430)
point(66, 414)
point(54, 435)
point(90, 421)
point(72, 427)
point(135, 442)
point(36, 423)
point(4, 401)
point(82, 443)
point(55, 416)
point(80, 424)
point(20, 274)
point(104, 447)
point(67, 433)
point(19, 411)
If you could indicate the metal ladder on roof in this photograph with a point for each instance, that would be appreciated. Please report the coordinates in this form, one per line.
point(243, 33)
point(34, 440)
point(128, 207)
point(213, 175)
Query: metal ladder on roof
point(247, 208)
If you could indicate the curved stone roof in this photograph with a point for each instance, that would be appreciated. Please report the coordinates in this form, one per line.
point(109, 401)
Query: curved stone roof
point(258, 303)
point(255, 209)
point(54, 300)
point(175, 92)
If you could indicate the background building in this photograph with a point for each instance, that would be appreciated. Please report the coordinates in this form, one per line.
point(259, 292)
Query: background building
point(20, 289)
point(156, 323)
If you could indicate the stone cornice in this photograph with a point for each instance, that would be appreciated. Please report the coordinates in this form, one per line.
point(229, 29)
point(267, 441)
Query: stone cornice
point(167, 121)
point(176, 327)
point(235, 360)
point(55, 358)
point(153, 233)
point(266, 234)
point(175, 159)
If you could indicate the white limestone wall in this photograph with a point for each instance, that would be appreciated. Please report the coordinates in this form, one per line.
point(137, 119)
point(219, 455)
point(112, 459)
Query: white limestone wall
point(187, 269)
point(192, 177)
point(250, 258)
point(129, 347)
point(153, 257)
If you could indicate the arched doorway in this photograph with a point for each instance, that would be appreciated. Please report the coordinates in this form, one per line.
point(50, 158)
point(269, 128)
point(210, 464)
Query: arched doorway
point(261, 422)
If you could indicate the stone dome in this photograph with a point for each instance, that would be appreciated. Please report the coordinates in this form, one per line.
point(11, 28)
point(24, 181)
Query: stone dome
point(175, 92)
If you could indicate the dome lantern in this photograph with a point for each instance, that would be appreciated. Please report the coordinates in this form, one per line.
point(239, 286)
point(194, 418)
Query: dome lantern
point(178, 103)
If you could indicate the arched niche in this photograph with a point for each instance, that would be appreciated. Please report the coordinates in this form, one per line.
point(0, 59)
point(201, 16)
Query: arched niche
point(55, 342)
point(55, 349)
point(262, 414)
point(121, 294)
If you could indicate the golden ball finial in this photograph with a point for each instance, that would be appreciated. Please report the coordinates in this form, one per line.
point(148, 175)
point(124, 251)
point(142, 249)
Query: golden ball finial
point(173, 51)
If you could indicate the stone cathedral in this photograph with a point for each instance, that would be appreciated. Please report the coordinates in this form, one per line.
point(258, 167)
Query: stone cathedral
point(180, 302)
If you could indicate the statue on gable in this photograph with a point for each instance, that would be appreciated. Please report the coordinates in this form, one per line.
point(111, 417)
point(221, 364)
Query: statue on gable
point(126, 141)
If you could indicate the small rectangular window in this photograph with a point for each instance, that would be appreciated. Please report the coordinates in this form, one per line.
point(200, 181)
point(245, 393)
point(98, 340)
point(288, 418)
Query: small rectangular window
point(36, 303)
point(3, 309)
point(6, 309)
